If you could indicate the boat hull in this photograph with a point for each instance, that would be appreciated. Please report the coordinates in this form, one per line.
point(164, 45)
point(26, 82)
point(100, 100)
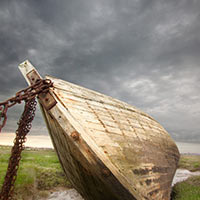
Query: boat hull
point(93, 179)
point(116, 150)
point(108, 149)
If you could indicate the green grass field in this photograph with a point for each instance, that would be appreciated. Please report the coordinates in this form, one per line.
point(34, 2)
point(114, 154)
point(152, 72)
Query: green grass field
point(190, 162)
point(189, 189)
point(40, 171)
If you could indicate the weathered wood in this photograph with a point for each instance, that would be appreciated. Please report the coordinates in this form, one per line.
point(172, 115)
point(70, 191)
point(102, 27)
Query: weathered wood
point(26, 67)
point(107, 144)
point(87, 173)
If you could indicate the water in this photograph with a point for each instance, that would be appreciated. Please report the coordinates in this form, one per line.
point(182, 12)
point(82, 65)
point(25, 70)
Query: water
point(45, 142)
point(37, 141)
point(191, 148)
point(183, 174)
point(70, 194)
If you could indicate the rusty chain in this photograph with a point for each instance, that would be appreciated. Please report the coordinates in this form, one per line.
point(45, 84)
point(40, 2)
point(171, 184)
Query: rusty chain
point(23, 128)
point(24, 125)
point(40, 86)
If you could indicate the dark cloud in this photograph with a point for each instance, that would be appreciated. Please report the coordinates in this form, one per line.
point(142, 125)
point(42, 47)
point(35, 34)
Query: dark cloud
point(143, 52)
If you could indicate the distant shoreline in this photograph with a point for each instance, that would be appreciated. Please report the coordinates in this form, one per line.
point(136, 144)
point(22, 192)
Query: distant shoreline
point(38, 141)
point(52, 148)
point(30, 148)
point(44, 141)
point(188, 148)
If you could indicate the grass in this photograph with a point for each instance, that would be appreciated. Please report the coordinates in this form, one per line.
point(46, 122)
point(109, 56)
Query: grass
point(190, 188)
point(39, 172)
point(190, 162)
point(187, 190)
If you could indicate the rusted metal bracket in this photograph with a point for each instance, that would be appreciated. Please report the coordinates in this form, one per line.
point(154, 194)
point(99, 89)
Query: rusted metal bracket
point(33, 76)
point(46, 98)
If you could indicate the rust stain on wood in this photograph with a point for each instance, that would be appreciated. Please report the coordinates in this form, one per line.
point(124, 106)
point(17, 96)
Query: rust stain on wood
point(75, 135)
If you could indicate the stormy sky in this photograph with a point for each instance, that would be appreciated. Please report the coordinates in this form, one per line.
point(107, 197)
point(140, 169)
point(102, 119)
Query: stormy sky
point(143, 52)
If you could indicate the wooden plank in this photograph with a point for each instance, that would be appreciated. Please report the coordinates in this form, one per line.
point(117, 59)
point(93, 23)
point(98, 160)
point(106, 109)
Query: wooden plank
point(130, 144)
point(25, 68)
point(98, 151)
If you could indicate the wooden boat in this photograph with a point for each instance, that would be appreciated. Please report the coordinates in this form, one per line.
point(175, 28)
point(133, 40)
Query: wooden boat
point(108, 149)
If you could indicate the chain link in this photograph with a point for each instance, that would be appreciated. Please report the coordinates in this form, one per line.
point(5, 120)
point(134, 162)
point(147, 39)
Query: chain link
point(28, 95)
point(41, 86)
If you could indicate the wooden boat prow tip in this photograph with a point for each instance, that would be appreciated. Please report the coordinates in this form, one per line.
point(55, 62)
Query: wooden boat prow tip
point(108, 149)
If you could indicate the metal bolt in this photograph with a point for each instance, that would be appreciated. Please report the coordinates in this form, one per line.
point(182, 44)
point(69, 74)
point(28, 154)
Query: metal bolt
point(75, 135)
point(105, 172)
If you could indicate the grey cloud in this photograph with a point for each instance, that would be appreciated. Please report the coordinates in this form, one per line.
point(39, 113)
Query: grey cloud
point(143, 52)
